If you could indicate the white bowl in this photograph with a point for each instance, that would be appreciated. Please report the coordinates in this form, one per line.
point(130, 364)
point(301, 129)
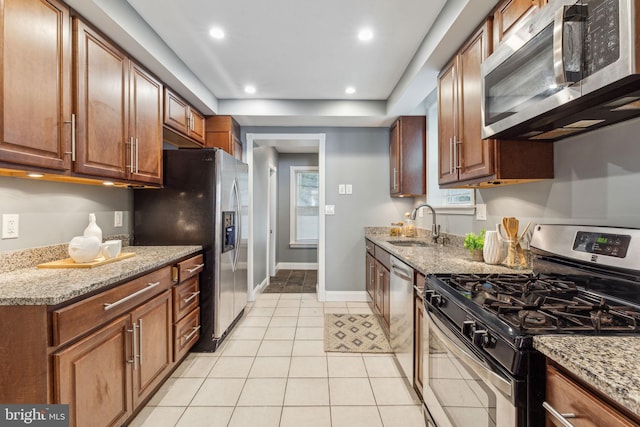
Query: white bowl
point(111, 248)
point(84, 248)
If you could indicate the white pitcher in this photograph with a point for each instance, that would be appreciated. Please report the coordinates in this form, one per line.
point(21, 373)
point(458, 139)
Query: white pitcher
point(492, 250)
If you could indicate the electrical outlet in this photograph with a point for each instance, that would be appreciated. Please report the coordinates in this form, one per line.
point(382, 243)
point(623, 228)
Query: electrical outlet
point(10, 226)
point(117, 219)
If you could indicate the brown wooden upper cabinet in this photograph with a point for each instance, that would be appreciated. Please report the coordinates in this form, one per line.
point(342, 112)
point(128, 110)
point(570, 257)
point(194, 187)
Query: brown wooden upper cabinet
point(183, 119)
point(224, 132)
point(510, 14)
point(36, 84)
point(407, 157)
point(119, 112)
point(465, 159)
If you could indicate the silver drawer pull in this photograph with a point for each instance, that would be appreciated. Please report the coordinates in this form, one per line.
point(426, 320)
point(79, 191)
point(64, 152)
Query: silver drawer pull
point(193, 295)
point(191, 270)
point(193, 332)
point(562, 418)
point(109, 306)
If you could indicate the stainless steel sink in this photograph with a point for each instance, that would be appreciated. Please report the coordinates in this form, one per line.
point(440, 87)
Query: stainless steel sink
point(410, 243)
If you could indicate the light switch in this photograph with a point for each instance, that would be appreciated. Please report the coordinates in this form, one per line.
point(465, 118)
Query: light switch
point(329, 209)
point(481, 212)
point(341, 189)
point(349, 189)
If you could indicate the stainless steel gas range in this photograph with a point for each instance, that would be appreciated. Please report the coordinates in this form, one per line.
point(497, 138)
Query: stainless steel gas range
point(479, 362)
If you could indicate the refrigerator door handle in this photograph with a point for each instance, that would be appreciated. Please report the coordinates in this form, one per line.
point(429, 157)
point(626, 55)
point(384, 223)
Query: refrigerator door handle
point(236, 243)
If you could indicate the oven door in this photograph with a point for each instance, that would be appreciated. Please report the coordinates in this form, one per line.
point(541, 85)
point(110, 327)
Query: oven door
point(460, 387)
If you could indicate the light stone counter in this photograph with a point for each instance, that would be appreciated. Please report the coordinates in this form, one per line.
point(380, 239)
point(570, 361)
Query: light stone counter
point(435, 258)
point(34, 286)
point(609, 364)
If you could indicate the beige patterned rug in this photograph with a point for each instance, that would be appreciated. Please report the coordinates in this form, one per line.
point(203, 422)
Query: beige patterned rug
point(354, 333)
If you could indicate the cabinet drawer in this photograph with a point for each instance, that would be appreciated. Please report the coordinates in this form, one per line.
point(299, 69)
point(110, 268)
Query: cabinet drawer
point(370, 247)
point(383, 256)
point(567, 396)
point(75, 319)
point(185, 298)
point(186, 333)
point(190, 267)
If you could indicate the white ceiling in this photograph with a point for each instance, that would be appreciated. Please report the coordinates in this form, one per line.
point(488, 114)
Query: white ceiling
point(300, 55)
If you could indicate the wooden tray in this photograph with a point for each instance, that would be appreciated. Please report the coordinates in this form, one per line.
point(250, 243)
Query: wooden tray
point(70, 263)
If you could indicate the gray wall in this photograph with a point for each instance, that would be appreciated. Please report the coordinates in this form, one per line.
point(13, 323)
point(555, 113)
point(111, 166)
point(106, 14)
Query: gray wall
point(263, 158)
point(360, 157)
point(52, 213)
point(284, 253)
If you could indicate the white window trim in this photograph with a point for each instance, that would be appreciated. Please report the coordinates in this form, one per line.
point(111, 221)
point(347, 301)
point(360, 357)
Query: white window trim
point(293, 243)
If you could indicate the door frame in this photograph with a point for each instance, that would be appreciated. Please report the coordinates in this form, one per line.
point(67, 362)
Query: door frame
point(320, 139)
point(272, 220)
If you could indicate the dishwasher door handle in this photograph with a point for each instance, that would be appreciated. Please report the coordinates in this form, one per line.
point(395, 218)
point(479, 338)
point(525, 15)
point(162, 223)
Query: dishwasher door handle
point(401, 272)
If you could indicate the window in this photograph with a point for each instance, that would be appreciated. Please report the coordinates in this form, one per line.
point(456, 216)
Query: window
point(304, 206)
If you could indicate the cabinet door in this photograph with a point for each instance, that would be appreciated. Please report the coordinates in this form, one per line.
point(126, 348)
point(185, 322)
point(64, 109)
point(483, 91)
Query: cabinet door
point(418, 374)
point(378, 300)
point(154, 344)
point(509, 15)
point(386, 295)
point(175, 112)
point(145, 154)
point(475, 154)
point(370, 274)
point(447, 124)
point(394, 159)
point(36, 83)
point(102, 96)
point(197, 125)
point(93, 376)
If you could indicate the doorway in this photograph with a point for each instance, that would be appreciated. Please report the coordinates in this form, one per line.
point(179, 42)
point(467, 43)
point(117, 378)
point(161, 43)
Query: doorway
point(262, 234)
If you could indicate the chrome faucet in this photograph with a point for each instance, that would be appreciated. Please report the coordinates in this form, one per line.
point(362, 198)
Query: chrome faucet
point(435, 228)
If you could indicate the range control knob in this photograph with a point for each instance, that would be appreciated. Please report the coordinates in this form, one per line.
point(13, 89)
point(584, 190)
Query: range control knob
point(437, 300)
point(468, 326)
point(482, 338)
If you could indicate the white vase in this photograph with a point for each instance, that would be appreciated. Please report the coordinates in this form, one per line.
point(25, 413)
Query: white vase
point(492, 250)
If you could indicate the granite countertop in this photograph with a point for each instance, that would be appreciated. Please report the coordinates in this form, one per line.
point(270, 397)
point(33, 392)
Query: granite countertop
point(34, 286)
point(435, 258)
point(609, 364)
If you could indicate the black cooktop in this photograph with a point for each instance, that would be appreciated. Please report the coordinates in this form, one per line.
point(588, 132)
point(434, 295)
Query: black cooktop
point(536, 303)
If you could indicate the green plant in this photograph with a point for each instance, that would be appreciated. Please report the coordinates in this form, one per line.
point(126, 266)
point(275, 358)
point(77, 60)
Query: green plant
point(474, 241)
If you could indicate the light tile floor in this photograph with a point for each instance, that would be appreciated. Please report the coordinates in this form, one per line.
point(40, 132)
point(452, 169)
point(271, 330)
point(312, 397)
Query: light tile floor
point(272, 371)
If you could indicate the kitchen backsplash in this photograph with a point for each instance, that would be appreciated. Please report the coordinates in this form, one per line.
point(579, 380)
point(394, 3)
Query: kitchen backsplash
point(27, 258)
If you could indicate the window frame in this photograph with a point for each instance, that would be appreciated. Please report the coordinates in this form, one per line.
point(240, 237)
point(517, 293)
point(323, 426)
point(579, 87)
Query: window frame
point(294, 242)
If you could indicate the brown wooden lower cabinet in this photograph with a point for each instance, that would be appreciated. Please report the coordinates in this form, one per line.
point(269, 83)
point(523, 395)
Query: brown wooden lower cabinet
point(566, 395)
point(378, 281)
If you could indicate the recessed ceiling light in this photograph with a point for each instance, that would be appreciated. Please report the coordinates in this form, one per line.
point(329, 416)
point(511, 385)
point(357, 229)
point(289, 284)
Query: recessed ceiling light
point(217, 33)
point(365, 35)
point(350, 90)
point(250, 89)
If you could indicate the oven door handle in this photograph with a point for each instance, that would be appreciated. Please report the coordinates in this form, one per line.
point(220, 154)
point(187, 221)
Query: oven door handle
point(480, 368)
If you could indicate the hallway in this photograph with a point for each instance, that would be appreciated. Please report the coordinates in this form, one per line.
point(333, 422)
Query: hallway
point(273, 371)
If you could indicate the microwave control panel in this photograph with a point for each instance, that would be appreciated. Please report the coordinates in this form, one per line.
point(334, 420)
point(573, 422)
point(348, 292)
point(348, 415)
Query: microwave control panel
point(602, 35)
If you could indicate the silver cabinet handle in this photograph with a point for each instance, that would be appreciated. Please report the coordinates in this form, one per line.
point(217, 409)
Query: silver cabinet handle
point(109, 306)
point(395, 179)
point(451, 156)
point(140, 341)
point(191, 270)
point(137, 156)
point(193, 295)
point(73, 137)
point(561, 418)
point(456, 155)
point(131, 154)
point(191, 334)
point(134, 356)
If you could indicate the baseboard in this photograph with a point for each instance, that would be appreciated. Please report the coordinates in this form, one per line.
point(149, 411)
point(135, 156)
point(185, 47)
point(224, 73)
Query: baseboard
point(258, 289)
point(353, 296)
point(297, 266)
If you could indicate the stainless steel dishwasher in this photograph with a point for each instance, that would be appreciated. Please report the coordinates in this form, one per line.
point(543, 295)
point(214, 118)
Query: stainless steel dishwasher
point(401, 315)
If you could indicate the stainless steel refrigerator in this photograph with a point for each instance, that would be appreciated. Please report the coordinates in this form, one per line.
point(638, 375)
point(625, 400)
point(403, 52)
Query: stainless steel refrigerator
point(204, 201)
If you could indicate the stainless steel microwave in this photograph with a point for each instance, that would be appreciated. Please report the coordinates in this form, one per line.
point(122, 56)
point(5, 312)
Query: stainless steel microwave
point(571, 68)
